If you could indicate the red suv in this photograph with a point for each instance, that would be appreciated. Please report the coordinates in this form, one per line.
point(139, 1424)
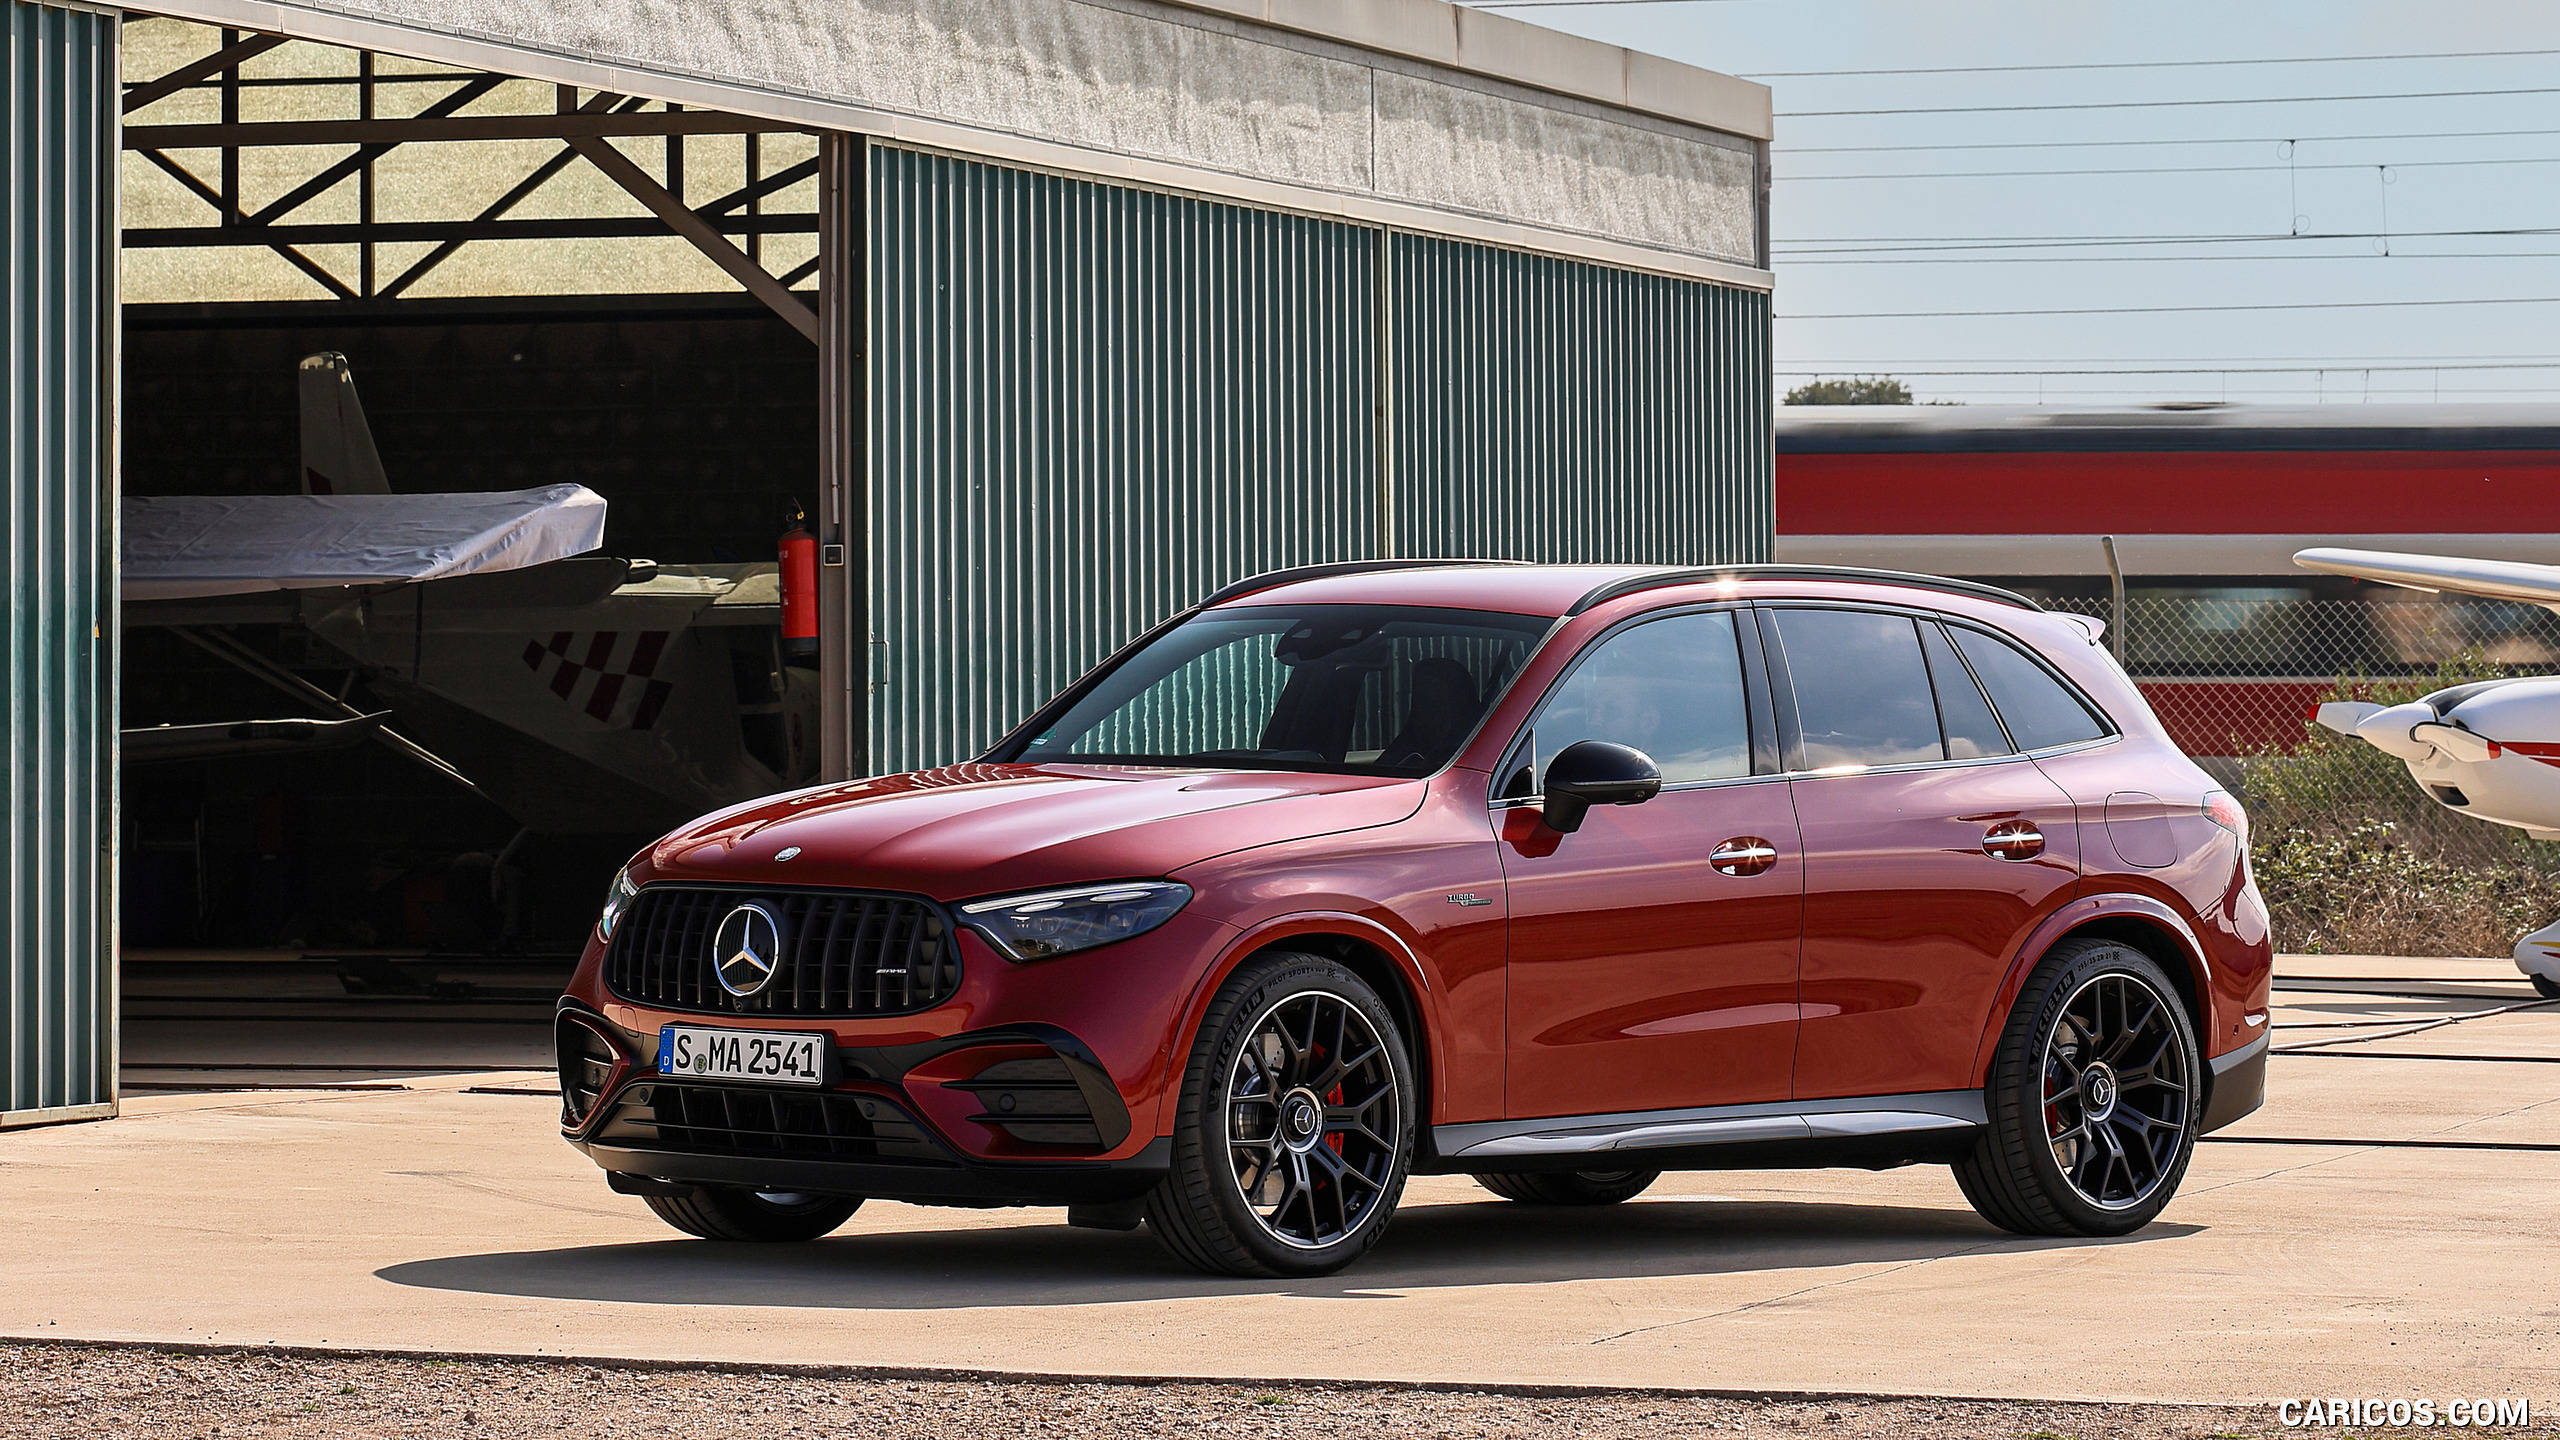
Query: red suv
point(1555, 876)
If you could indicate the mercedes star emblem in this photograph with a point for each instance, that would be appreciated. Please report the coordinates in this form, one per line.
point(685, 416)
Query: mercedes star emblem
point(745, 949)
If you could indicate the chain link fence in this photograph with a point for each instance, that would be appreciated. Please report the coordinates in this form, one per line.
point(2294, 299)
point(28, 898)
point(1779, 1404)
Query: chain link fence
point(2351, 857)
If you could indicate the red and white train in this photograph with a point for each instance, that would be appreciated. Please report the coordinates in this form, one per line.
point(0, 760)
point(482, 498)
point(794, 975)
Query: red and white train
point(2206, 506)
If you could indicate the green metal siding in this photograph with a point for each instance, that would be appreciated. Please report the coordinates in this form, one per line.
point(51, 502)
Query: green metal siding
point(1553, 410)
point(1092, 404)
point(57, 662)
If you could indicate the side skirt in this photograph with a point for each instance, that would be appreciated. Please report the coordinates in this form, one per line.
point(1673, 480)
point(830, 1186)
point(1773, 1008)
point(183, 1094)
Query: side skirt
point(1873, 1131)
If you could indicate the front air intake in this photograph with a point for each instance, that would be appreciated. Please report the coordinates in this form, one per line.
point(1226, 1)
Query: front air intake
point(835, 953)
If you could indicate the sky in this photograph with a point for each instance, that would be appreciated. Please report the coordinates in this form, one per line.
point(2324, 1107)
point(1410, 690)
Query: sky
point(2292, 249)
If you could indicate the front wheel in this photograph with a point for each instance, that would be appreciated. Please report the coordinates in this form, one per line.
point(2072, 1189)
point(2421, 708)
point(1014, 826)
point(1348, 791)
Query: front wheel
point(1578, 1187)
point(2546, 987)
point(1294, 1130)
point(769, 1216)
point(2095, 1095)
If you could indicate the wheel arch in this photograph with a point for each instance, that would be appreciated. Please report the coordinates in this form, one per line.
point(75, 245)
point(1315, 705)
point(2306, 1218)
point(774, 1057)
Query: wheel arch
point(1375, 954)
point(2137, 921)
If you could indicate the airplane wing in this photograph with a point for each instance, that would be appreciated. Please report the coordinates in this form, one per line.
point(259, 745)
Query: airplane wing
point(177, 546)
point(2452, 575)
point(148, 743)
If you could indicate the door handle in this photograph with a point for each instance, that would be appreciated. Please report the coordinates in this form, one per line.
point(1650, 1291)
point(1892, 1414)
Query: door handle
point(1743, 855)
point(2013, 840)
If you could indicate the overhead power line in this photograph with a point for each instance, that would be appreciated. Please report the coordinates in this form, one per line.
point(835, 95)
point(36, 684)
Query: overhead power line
point(1896, 244)
point(1907, 372)
point(2148, 64)
point(1784, 178)
point(2180, 309)
point(2398, 255)
point(2124, 144)
point(2162, 104)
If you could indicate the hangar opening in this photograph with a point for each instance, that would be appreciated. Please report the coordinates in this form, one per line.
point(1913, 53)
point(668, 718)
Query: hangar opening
point(350, 275)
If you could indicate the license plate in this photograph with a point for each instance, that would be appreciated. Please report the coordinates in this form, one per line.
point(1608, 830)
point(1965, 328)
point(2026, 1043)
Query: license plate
point(771, 1057)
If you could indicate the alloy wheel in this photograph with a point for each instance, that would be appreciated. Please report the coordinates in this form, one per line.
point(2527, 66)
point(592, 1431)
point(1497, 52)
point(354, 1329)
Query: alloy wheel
point(1312, 1118)
point(2118, 1098)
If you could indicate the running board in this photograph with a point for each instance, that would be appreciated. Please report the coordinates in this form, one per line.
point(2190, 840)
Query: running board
point(1857, 1118)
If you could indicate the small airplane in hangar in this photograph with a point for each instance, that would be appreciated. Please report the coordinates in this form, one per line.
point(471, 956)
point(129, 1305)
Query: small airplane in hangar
point(2490, 749)
point(582, 693)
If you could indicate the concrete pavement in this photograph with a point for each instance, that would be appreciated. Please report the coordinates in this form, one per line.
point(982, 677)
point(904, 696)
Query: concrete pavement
point(441, 1215)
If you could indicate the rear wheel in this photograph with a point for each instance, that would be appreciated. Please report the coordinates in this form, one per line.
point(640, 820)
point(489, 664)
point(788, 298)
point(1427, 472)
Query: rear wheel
point(2094, 1098)
point(1294, 1128)
point(1578, 1187)
point(772, 1216)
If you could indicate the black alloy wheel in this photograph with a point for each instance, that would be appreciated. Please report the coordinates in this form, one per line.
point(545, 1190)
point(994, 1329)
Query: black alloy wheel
point(1295, 1125)
point(1575, 1187)
point(760, 1216)
point(2095, 1096)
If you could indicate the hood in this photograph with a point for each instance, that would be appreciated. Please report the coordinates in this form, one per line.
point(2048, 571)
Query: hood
point(978, 829)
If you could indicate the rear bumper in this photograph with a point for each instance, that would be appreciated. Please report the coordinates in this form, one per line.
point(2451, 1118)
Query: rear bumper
point(2239, 1084)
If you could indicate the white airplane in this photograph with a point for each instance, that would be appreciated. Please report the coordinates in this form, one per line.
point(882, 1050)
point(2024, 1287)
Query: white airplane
point(584, 693)
point(2489, 750)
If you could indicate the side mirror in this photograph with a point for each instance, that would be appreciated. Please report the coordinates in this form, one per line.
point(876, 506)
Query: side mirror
point(1595, 772)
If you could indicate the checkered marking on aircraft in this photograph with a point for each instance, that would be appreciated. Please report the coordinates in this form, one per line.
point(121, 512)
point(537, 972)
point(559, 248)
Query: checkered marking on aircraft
point(607, 684)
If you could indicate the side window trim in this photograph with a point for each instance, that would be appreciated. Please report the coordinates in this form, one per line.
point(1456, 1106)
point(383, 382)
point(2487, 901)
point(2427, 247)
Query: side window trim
point(1782, 688)
point(1939, 624)
point(2080, 697)
point(1755, 701)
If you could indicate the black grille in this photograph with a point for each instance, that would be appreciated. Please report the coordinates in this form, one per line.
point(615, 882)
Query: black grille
point(767, 1124)
point(586, 1063)
point(841, 954)
point(1035, 1101)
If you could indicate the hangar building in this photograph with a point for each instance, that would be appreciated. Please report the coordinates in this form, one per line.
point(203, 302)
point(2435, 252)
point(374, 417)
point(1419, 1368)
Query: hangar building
point(1052, 315)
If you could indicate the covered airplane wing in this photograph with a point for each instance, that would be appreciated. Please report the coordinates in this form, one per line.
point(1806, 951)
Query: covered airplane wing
point(177, 546)
point(2489, 579)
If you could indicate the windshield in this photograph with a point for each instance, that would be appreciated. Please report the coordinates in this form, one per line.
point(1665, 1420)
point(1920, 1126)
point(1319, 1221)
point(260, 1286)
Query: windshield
point(1383, 689)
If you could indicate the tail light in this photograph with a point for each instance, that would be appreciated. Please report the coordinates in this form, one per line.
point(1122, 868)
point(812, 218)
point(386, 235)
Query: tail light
point(2225, 811)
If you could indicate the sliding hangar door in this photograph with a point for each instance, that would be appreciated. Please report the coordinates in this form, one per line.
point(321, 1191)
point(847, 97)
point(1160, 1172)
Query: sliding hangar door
point(1050, 321)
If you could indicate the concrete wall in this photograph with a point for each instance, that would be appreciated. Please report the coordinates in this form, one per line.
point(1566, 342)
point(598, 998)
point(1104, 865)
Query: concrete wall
point(1532, 137)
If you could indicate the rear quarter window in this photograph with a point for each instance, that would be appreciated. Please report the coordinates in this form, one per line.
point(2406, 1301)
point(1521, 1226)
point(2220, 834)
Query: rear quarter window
point(2040, 711)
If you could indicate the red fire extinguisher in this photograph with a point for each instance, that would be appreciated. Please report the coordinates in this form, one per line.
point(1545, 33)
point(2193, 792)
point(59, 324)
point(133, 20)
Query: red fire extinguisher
point(798, 551)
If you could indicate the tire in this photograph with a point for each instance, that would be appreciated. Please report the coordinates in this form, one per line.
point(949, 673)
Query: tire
point(1269, 1111)
point(2069, 1153)
point(2546, 987)
point(720, 1213)
point(1579, 1187)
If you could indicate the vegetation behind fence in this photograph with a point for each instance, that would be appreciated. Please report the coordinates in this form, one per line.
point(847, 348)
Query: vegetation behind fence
point(2350, 856)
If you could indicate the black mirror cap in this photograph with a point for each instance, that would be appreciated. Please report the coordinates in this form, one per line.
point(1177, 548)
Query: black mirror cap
point(1596, 772)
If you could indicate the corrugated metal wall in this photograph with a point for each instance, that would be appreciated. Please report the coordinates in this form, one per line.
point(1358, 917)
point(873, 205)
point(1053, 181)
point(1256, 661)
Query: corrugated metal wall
point(1091, 405)
point(57, 322)
point(1552, 410)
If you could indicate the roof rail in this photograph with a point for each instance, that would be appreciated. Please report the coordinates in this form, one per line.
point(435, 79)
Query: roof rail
point(1669, 576)
point(1270, 579)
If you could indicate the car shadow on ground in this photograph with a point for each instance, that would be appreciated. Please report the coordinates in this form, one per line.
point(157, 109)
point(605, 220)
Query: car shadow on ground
point(1429, 1247)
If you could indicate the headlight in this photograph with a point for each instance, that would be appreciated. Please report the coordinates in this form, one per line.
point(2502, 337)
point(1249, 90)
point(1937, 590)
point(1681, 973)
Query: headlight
point(1060, 922)
point(617, 899)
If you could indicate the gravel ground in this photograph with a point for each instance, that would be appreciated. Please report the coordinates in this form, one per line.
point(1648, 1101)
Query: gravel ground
point(72, 1390)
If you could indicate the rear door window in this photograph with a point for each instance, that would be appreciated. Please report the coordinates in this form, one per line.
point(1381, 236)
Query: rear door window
point(2040, 710)
point(1861, 689)
point(1972, 731)
point(1672, 688)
